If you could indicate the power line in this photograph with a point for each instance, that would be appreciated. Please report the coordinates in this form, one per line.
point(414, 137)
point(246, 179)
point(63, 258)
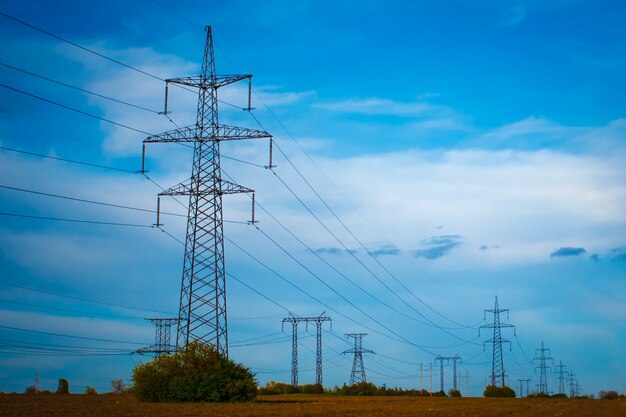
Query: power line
point(86, 300)
point(83, 313)
point(78, 88)
point(77, 221)
point(361, 262)
point(70, 336)
point(400, 338)
point(67, 160)
point(79, 46)
point(72, 108)
point(87, 201)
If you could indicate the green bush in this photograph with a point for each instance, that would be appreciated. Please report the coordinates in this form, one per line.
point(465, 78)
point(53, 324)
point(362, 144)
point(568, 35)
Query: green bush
point(197, 373)
point(454, 393)
point(503, 392)
point(90, 390)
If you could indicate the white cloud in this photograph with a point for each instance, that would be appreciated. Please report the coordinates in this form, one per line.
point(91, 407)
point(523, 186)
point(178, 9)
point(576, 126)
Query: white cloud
point(379, 106)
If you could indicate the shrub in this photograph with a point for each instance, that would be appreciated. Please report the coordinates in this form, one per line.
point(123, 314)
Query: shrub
point(439, 394)
point(608, 395)
point(454, 393)
point(502, 392)
point(30, 390)
point(197, 373)
point(90, 390)
point(64, 386)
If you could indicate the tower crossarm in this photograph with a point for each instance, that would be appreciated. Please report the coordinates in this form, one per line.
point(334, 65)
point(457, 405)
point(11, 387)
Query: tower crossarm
point(498, 325)
point(185, 188)
point(215, 81)
point(190, 134)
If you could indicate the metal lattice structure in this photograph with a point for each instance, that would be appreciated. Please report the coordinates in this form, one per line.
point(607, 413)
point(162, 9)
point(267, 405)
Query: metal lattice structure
point(542, 358)
point(358, 368)
point(497, 362)
point(561, 373)
point(202, 313)
point(319, 320)
point(521, 387)
point(162, 337)
point(454, 360)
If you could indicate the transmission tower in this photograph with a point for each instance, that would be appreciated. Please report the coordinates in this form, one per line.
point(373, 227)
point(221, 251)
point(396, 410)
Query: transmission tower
point(162, 337)
point(454, 359)
point(497, 362)
point(319, 320)
point(573, 385)
point(358, 369)
point(542, 358)
point(521, 390)
point(202, 313)
point(561, 376)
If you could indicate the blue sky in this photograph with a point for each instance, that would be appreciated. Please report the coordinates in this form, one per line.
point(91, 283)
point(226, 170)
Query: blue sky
point(475, 148)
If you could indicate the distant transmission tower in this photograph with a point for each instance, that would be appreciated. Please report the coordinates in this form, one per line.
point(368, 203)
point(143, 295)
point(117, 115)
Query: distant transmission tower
point(319, 320)
point(497, 362)
point(542, 358)
point(202, 313)
point(521, 387)
point(162, 337)
point(573, 385)
point(561, 376)
point(358, 369)
point(441, 373)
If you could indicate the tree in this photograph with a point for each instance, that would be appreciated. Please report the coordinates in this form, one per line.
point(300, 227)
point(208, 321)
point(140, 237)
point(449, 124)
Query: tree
point(504, 392)
point(64, 386)
point(90, 390)
point(196, 373)
point(117, 386)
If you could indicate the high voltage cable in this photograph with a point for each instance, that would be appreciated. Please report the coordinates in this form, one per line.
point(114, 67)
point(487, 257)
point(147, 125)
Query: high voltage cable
point(78, 88)
point(86, 300)
point(360, 262)
point(271, 112)
point(362, 246)
point(84, 313)
point(59, 219)
point(88, 201)
point(67, 160)
point(73, 109)
point(400, 337)
point(116, 61)
point(78, 46)
point(317, 255)
point(71, 336)
point(84, 49)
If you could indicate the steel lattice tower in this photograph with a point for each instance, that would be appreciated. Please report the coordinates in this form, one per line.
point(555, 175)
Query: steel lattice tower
point(358, 369)
point(202, 313)
point(521, 390)
point(562, 376)
point(542, 358)
point(497, 362)
point(454, 359)
point(162, 337)
point(319, 320)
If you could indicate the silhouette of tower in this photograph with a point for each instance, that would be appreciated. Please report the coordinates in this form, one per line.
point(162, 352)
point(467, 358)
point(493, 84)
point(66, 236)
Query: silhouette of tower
point(358, 369)
point(202, 312)
point(542, 358)
point(561, 376)
point(319, 320)
point(497, 362)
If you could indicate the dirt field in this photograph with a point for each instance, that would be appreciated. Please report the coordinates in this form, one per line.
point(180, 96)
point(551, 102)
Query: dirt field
point(306, 405)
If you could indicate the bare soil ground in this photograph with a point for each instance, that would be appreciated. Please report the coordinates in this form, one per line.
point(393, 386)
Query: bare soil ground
point(305, 405)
